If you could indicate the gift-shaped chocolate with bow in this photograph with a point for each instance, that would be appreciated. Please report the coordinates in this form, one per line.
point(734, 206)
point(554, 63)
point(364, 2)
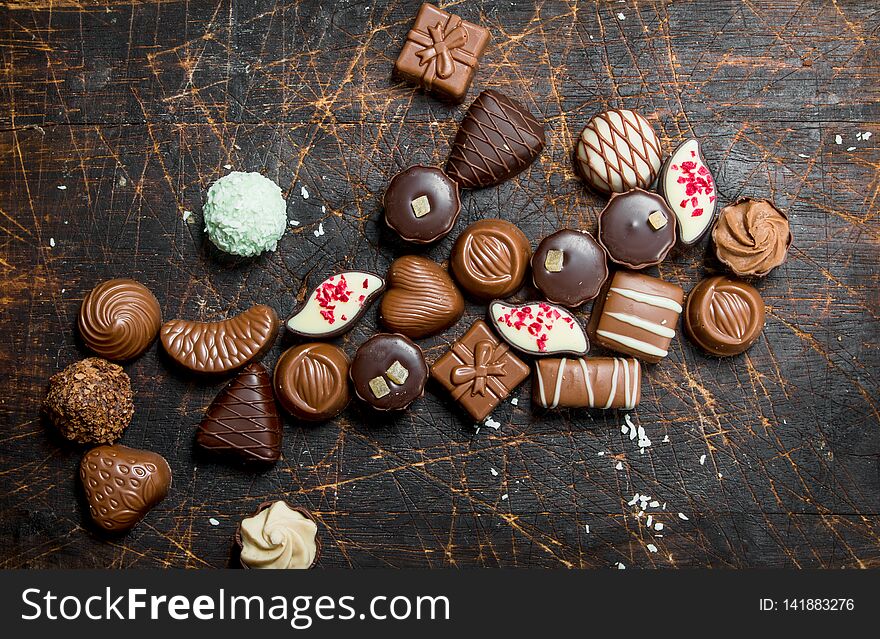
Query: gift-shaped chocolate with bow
point(442, 52)
point(479, 371)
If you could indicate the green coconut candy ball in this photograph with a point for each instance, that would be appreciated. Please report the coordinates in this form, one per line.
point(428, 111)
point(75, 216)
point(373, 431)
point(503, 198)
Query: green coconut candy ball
point(245, 214)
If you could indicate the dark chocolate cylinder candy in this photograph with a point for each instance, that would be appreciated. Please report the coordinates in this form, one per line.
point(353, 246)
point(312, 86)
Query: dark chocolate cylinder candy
point(498, 139)
point(421, 204)
point(593, 382)
point(389, 372)
point(489, 259)
point(569, 267)
point(724, 316)
point(311, 381)
point(242, 423)
point(637, 229)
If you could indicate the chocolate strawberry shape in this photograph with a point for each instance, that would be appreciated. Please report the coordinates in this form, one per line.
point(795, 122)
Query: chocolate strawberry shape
point(421, 299)
point(497, 139)
point(242, 423)
point(123, 484)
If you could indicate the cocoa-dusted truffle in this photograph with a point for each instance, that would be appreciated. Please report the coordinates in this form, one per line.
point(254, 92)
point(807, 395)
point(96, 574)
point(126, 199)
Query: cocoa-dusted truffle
point(90, 401)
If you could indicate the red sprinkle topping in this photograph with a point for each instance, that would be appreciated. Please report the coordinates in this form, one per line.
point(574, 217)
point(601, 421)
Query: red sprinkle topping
point(535, 319)
point(328, 293)
point(698, 181)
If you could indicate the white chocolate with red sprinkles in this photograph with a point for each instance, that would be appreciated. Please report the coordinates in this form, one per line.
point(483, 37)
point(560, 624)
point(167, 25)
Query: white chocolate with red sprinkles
point(335, 304)
point(689, 189)
point(539, 328)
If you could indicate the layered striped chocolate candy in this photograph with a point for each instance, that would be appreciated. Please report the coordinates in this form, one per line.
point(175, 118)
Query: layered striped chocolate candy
point(587, 382)
point(637, 314)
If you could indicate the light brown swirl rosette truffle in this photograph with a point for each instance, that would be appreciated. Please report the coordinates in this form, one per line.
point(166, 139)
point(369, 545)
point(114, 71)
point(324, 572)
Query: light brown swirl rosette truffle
point(119, 319)
point(278, 535)
point(751, 237)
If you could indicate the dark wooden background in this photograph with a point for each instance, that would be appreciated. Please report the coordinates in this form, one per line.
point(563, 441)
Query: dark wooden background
point(114, 120)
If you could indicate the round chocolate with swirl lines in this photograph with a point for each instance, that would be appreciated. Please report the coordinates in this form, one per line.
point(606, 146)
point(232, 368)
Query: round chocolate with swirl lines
point(311, 381)
point(489, 259)
point(724, 316)
point(119, 319)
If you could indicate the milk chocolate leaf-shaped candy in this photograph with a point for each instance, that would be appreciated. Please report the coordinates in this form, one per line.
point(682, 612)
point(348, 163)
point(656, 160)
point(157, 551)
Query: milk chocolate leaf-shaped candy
point(221, 347)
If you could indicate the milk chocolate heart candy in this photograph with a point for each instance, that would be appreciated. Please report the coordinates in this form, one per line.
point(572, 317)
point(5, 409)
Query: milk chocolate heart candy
point(421, 299)
point(335, 304)
point(123, 484)
point(221, 347)
point(539, 328)
point(498, 139)
point(242, 423)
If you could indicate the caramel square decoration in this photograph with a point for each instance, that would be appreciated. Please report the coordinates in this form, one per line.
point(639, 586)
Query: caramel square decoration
point(479, 371)
point(636, 314)
point(442, 52)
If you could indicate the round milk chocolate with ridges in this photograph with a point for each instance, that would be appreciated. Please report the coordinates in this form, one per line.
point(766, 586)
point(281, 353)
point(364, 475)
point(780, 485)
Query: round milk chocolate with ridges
point(421, 204)
point(389, 372)
point(569, 267)
point(724, 316)
point(637, 229)
point(311, 381)
point(689, 189)
point(489, 259)
point(497, 139)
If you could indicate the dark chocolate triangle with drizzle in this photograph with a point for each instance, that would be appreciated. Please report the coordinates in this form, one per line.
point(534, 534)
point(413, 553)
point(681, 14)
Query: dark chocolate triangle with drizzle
point(497, 139)
point(242, 423)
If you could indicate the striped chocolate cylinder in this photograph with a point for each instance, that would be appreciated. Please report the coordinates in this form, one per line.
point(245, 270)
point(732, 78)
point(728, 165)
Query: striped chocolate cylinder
point(637, 315)
point(587, 382)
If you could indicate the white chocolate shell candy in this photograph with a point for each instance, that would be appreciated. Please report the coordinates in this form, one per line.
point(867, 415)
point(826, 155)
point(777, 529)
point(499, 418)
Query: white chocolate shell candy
point(539, 328)
point(618, 151)
point(689, 188)
point(335, 304)
point(278, 537)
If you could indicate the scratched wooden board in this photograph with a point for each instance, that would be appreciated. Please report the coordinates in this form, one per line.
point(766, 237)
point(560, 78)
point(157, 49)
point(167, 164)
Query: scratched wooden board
point(115, 119)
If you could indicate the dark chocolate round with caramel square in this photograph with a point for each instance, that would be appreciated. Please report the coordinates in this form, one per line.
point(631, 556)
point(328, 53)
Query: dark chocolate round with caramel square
point(489, 259)
point(724, 316)
point(421, 204)
point(637, 228)
point(389, 372)
point(569, 267)
point(311, 381)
